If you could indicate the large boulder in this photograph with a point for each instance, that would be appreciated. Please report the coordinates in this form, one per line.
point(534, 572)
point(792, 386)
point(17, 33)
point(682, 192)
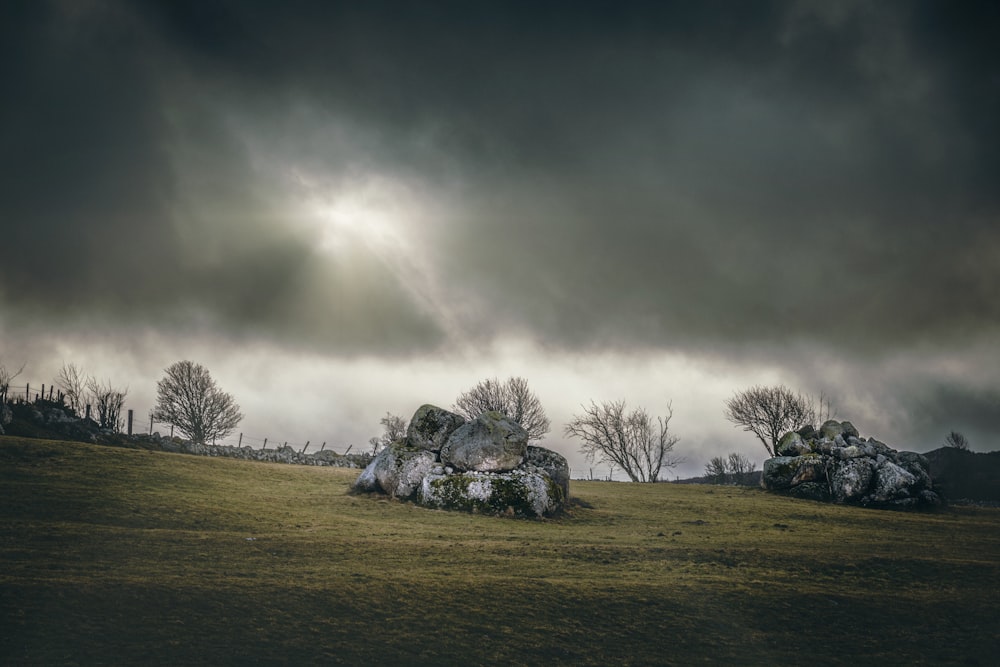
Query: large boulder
point(891, 482)
point(431, 427)
point(551, 463)
point(516, 492)
point(852, 479)
point(792, 444)
point(831, 429)
point(784, 472)
point(490, 443)
point(398, 471)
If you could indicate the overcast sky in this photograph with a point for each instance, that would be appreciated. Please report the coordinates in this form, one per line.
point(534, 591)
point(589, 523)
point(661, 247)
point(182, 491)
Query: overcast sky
point(347, 208)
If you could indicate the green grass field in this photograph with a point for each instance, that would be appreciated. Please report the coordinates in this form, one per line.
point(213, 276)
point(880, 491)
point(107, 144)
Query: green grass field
point(115, 556)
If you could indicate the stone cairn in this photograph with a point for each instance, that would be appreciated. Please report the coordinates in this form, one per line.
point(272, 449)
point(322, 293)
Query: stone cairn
point(835, 464)
point(484, 465)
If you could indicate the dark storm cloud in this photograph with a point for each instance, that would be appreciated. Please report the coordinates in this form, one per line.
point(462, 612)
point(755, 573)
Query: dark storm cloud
point(683, 175)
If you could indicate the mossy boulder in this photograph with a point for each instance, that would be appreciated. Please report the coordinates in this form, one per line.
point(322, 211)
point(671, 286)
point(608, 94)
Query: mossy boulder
point(397, 470)
point(431, 427)
point(490, 443)
point(551, 463)
point(792, 444)
point(517, 492)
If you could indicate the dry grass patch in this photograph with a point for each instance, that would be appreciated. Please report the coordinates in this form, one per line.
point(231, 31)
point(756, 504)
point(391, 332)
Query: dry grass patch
point(112, 556)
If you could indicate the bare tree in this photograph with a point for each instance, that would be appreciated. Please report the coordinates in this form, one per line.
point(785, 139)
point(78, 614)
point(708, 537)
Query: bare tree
point(188, 399)
point(511, 398)
point(716, 469)
point(393, 429)
point(769, 413)
point(6, 377)
point(821, 410)
point(957, 440)
point(740, 468)
point(74, 385)
point(633, 441)
point(108, 403)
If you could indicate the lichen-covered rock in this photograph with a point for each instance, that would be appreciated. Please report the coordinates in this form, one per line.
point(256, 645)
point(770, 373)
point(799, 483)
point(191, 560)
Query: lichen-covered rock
point(852, 479)
point(891, 483)
point(831, 429)
point(551, 463)
point(490, 443)
point(848, 430)
point(366, 481)
point(431, 427)
point(397, 470)
point(811, 469)
point(808, 432)
point(918, 466)
point(792, 444)
point(779, 472)
point(516, 492)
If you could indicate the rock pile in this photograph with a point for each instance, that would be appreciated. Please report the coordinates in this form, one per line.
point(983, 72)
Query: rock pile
point(483, 465)
point(835, 464)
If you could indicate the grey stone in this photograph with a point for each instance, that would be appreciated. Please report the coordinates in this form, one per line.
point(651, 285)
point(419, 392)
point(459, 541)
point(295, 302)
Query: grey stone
point(399, 470)
point(552, 463)
point(808, 432)
point(489, 443)
point(779, 472)
point(848, 430)
point(851, 480)
point(792, 444)
point(516, 492)
point(810, 469)
point(431, 427)
point(891, 483)
point(918, 466)
point(831, 429)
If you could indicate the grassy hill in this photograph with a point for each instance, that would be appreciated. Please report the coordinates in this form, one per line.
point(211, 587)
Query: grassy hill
point(118, 556)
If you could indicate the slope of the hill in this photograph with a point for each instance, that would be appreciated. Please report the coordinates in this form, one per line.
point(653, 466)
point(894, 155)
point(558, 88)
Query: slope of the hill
point(120, 556)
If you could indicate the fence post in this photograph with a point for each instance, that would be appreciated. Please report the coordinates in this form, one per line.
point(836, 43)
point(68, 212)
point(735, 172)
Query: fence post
point(264, 446)
point(27, 392)
point(130, 422)
point(348, 449)
point(88, 412)
point(241, 441)
point(305, 448)
point(323, 447)
point(151, 424)
point(43, 391)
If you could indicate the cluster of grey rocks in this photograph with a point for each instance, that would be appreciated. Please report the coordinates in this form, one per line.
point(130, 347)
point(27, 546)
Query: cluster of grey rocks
point(481, 465)
point(836, 464)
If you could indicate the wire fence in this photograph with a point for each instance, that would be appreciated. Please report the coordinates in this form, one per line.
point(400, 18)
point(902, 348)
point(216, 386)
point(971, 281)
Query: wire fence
point(137, 423)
